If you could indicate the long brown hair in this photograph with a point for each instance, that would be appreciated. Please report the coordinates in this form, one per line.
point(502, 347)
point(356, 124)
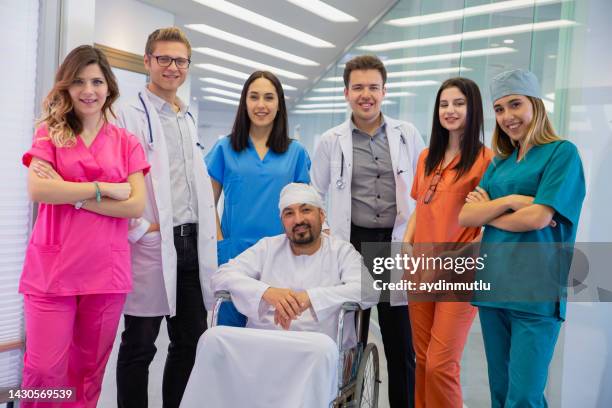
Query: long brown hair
point(278, 141)
point(473, 136)
point(58, 112)
point(540, 131)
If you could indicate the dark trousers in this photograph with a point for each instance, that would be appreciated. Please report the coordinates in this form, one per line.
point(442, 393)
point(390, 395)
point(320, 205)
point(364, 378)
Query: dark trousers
point(137, 347)
point(394, 324)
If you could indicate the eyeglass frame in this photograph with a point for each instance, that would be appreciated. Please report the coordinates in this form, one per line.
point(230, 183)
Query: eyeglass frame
point(433, 186)
point(175, 60)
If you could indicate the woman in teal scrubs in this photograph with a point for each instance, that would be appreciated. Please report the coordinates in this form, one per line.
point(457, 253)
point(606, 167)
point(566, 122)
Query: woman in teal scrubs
point(251, 166)
point(529, 200)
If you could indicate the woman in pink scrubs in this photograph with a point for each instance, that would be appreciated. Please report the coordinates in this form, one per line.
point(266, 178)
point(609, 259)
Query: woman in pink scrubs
point(88, 177)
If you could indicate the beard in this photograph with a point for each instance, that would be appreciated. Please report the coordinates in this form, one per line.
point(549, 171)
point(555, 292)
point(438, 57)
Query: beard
point(304, 237)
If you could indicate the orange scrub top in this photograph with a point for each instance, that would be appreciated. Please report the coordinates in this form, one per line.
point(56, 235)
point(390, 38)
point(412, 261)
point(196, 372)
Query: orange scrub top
point(438, 221)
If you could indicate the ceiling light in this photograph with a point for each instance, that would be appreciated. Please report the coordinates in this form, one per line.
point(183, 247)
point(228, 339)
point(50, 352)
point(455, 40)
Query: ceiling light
point(253, 45)
point(325, 98)
point(265, 23)
point(247, 62)
point(222, 100)
point(313, 111)
point(388, 85)
point(221, 82)
point(321, 105)
point(334, 89)
point(341, 97)
point(222, 92)
point(449, 57)
point(437, 71)
point(467, 12)
point(424, 72)
point(396, 94)
point(223, 70)
point(509, 41)
point(324, 10)
point(393, 85)
point(331, 105)
point(469, 35)
point(231, 72)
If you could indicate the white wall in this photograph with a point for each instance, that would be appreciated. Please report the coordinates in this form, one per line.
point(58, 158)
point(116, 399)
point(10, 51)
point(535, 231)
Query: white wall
point(78, 21)
point(214, 124)
point(126, 24)
point(587, 349)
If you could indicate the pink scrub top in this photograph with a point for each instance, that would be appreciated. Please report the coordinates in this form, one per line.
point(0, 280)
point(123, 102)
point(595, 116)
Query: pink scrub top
point(78, 252)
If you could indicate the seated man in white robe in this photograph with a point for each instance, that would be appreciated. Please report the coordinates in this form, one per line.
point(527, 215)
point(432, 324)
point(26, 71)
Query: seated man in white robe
point(293, 286)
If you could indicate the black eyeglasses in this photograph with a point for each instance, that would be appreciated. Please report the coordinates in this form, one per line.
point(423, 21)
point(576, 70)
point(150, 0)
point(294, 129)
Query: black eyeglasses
point(165, 61)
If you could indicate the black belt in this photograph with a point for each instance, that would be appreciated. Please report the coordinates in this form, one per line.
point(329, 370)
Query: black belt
point(186, 230)
point(382, 230)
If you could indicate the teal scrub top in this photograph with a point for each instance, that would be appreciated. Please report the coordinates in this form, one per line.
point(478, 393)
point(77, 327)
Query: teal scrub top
point(251, 189)
point(528, 270)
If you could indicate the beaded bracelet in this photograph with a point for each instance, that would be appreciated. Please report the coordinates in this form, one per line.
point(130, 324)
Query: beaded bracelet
point(98, 193)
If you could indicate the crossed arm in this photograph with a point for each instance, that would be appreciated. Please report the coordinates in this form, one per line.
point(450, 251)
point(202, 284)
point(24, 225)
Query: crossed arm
point(121, 200)
point(513, 213)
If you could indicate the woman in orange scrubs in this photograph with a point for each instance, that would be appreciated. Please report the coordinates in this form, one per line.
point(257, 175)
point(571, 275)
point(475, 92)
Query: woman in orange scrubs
point(446, 172)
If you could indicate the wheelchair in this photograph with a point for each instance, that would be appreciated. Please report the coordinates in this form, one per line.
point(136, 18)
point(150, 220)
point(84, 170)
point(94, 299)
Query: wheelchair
point(359, 376)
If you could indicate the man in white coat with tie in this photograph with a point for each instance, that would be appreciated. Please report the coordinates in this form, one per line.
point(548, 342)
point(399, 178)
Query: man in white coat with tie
point(365, 167)
point(174, 244)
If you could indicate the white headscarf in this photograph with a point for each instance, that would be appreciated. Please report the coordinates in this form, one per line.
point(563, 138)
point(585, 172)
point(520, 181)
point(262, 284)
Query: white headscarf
point(299, 193)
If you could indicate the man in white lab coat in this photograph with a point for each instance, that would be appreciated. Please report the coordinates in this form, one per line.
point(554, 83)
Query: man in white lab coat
point(365, 167)
point(298, 282)
point(173, 246)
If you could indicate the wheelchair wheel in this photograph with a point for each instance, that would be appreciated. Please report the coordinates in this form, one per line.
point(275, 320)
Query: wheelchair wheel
point(368, 379)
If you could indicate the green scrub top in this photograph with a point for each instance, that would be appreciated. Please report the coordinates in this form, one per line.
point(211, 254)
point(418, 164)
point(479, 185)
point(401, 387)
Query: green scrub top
point(524, 274)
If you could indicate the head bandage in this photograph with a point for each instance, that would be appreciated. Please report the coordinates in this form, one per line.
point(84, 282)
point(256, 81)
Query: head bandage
point(299, 193)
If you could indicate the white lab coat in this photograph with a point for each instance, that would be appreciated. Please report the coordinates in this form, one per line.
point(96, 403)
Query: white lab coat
point(154, 257)
point(405, 146)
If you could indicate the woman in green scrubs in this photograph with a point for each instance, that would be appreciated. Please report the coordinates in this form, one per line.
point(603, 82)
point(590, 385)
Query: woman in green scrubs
point(529, 200)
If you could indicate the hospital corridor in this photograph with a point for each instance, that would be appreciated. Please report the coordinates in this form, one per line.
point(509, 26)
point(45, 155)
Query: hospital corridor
point(305, 204)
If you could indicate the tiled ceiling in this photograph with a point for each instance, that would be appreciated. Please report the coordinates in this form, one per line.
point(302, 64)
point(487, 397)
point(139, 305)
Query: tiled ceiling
point(298, 75)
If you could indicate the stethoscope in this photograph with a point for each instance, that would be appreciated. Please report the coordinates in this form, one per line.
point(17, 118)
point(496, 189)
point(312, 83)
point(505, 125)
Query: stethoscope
point(144, 105)
point(340, 183)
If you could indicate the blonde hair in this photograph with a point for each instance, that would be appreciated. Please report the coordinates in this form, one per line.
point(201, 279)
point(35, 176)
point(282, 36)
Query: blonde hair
point(540, 131)
point(58, 112)
point(167, 34)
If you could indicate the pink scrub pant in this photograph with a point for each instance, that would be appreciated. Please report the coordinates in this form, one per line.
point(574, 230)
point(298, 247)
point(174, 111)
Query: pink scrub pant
point(68, 342)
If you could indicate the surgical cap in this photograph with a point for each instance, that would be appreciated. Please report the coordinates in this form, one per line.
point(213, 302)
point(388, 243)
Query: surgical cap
point(515, 82)
point(299, 193)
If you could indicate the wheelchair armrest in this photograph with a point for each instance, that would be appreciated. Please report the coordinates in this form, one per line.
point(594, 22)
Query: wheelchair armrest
point(220, 297)
point(350, 306)
point(223, 294)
